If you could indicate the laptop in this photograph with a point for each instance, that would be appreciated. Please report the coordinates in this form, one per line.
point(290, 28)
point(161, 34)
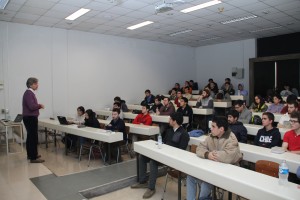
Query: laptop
point(17, 120)
point(63, 120)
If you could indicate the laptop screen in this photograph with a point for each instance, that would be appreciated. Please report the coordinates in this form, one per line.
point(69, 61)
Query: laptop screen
point(18, 118)
point(62, 120)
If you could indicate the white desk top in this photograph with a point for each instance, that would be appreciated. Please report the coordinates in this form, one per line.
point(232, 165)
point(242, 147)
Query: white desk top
point(254, 153)
point(222, 104)
point(129, 115)
point(195, 92)
point(10, 123)
point(88, 132)
point(243, 182)
point(252, 129)
point(137, 128)
point(202, 111)
point(276, 115)
point(134, 107)
point(192, 103)
point(237, 97)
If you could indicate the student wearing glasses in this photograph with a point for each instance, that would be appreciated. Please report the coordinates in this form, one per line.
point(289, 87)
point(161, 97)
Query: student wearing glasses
point(244, 114)
point(291, 139)
point(268, 136)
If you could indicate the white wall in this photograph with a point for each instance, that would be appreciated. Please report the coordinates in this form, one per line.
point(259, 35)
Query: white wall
point(78, 68)
point(217, 61)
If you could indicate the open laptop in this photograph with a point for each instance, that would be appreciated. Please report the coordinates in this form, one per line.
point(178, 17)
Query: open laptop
point(17, 120)
point(63, 120)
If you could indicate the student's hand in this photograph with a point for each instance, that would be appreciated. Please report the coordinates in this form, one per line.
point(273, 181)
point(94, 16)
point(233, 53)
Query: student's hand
point(212, 156)
point(109, 125)
point(41, 106)
point(141, 124)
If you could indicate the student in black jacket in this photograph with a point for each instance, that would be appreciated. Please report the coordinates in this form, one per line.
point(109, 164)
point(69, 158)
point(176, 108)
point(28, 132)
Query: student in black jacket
point(186, 110)
point(237, 127)
point(268, 136)
point(90, 121)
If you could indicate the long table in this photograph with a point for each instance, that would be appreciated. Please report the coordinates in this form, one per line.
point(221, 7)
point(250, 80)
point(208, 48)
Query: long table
point(276, 115)
point(241, 181)
point(252, 129)
point(129, 115)
point(254, 153)
point(137, 128)
point(12, 125)
point(87, 132)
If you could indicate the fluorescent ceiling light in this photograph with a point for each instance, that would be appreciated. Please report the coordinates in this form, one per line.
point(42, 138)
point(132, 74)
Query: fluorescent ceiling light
point(265, 29)
point(77, 14)
point(208, 39)
point(238, 19)
point(180, 32)
point(3, 3)
point(139, 25)
point(200, 6)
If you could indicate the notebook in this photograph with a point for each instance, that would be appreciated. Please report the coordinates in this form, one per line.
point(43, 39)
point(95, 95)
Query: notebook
point(63, 120)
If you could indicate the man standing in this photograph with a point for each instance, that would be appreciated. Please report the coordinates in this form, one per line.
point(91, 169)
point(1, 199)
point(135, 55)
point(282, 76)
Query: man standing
point(268, 136)
point(245, 114)
point(237, 127)
point(176, 137)
point(30, 118)
point(220, 146)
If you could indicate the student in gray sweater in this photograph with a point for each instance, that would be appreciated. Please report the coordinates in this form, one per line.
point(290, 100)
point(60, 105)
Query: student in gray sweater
point(245, 114)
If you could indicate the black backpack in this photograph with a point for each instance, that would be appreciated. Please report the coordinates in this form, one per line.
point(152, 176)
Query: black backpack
point(256, 120)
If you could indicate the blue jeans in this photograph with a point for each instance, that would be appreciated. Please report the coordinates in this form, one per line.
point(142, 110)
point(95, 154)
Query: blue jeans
point(191, 187)
point(143, 160)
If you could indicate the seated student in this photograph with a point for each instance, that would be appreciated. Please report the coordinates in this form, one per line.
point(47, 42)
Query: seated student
point(228, 89)
point(291, 139)
point(237, 127)
point(157, 104)
point(144, 118)
point(187, 84)
point(193, 85)
point(205, 100)
point(289, 99)
point(268, 136)
point(286, 90)
point(176, 137)
point(179, 96)
point(187, 94)
point(213, 89)
point(177, 87)
point(118, 106)
point(227, 151)
point(284, 120)
point(167, 109)
point(241, 90)
point(124, 107)
point(245, 115)
point(90, 121)
point(258, 105)
point(276, 106)
point(186, 110)
point(149, 98)
point(173, 94)
point(78, 119)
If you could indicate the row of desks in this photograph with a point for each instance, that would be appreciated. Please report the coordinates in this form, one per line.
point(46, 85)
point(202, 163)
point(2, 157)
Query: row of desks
point(129, 115)
point(241, 181)
point(254, 153)
point(232, 97)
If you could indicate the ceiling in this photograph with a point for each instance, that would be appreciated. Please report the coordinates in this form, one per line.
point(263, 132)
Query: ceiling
point(112, 17)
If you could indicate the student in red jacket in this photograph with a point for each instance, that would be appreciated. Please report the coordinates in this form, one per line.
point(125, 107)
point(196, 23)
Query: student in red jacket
point(144, 118)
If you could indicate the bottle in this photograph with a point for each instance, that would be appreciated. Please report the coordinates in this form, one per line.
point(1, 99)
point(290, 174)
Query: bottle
point(283, 173)
point(159, 141)
point(239, 92)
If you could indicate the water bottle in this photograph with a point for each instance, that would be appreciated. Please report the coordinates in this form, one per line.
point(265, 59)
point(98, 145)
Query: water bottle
point(283, 173)
point(239, 92)
point(159, 141)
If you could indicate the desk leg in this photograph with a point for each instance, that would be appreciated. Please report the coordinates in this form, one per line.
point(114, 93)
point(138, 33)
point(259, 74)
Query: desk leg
point(229, 195)
point(109, 154)
point(138, 167)
point(21, 139)
point(54, 138)
point(179, 185)
point(66, 142)
point(6, 133)
point(46, 137)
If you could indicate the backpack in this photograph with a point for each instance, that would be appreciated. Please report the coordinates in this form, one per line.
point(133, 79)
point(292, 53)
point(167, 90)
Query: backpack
point(255, 120)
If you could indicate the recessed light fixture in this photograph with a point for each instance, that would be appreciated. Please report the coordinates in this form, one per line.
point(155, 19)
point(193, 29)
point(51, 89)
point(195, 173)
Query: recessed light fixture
point(3, 3)
point(265, 29)
point(180, 32)
point(200, 6)
point(208, 39)
point(238, 19)
point(77, 14)
point(139, 25)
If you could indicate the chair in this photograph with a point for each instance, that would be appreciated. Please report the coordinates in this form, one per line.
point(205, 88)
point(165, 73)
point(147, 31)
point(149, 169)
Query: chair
point(267, 167)
point(95, 146)
point(127, 132)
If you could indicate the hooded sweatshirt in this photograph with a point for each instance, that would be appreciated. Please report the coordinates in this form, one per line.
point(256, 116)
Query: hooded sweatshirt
point(240, 131)
point(268, 139)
